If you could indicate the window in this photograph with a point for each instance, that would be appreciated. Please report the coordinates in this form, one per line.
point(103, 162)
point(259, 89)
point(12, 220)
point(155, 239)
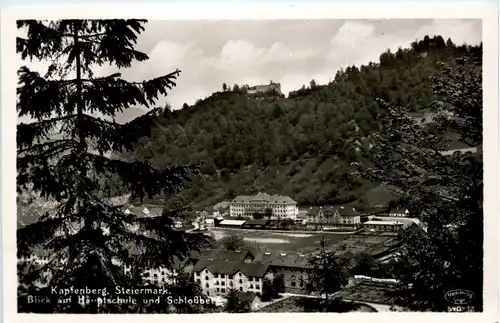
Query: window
point(216, 275)
point(198, 281)
point(240, 275)
point(216, 282)
point(257, 286)
point(218, 290)
point(241, 281)
point(241, 289)
point(223, 290)
point(250, 279)
point(222, 276)
point(251, 286)
point(206, 277)
point(223, 283)
point(293, 284)
point(206, 285)
point(230, 276)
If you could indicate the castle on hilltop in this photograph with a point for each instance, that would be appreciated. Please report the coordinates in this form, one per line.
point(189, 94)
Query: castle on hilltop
point(271, 87)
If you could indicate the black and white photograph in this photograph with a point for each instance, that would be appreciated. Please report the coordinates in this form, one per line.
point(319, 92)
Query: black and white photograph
point(174, 166)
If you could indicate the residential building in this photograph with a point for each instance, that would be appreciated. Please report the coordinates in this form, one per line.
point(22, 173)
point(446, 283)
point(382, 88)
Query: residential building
point(294, 268)
point(275, 207)
point(209, 211)
point(342, 216)
point(216, 276)
point(399, 212)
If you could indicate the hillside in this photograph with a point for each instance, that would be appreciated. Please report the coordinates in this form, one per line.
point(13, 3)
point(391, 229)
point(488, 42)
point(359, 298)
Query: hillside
point(301, 145)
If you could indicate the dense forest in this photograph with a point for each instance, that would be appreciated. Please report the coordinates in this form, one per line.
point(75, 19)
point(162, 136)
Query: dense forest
point(301, 145)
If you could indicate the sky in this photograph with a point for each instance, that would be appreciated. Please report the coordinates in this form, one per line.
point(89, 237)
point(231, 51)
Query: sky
point(291, 52)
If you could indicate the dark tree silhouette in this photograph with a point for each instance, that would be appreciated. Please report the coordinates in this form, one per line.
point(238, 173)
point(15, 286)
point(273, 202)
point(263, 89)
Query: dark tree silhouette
point(235, 304)
point(447, 190)
point(63, 156)
point(328, 275)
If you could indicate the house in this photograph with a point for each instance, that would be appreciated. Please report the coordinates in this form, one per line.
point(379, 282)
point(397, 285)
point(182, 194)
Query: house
point(251, 298)
point(399, 212)
point(343, 216)
point(210, 222)
point(209, 212)
point(275, 207)
point(216, 276)
point(295, 268)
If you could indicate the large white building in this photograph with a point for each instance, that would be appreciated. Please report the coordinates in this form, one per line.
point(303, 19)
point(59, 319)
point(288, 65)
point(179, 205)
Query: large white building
point(281, 207)
point(218, 276)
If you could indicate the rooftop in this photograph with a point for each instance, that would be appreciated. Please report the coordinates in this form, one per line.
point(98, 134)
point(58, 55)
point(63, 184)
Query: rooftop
point(264, 198)
point(219, 266)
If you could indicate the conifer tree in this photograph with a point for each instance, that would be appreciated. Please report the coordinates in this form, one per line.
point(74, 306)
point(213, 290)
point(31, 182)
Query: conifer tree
point(444, 189)
point(64, 155)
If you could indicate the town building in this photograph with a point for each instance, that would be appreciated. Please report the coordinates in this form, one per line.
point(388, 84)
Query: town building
point(276, 207)
point(399, 212)
point(343, 216)
point(269, 88)
point(217, 277)
point(251, 298)
point(383, 226)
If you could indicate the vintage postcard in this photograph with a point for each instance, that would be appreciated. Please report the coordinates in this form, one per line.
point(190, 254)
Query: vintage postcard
point(256, 159)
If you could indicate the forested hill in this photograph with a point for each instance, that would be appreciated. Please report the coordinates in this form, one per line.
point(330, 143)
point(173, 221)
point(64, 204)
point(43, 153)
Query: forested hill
point(301, 145)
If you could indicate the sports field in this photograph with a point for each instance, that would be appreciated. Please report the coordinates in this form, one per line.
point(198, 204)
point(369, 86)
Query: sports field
point(307, 242)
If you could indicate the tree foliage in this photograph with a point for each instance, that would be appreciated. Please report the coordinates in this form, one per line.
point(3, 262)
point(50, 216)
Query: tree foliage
point(328, 275)
point(302, 145)
point(64, 155)
point(235, 304)
point(447, 190)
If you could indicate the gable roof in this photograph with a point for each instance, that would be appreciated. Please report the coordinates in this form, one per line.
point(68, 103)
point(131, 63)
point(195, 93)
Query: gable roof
point(399, 211)
point(222, 254)
point(347, 211)
point(233, 222)
point(219, 266)
point(264, 197)
point(258, 222)
point(280, 260)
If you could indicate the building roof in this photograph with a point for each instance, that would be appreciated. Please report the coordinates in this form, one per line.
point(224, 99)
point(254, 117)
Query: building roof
point(219, 266)
point(222, 254)
point(233, 222)
point(384, 222)
point(283, 260)
point(257, 222)
point(265, 198)
point(399, 211)
point(347, 211)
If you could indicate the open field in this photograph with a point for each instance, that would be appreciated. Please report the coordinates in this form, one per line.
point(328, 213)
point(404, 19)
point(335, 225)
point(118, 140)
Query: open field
point(279, 242)
point(310, 242)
